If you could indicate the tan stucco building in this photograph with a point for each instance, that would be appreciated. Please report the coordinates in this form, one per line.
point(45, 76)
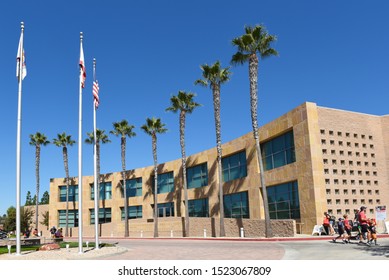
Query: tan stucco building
point(316, 159)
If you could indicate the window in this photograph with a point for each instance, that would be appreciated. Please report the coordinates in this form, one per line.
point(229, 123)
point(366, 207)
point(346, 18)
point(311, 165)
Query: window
point(72, 218)
point(352, 182)
point(325, 161)
point(333, 152)
point(197, 176)
point(353, 191)
point(342, 162)
point(331, 132)
point(133, 187)
point(345, 191)
point(324, 151)
point(165, 182)
point(323, 141)
point(104, 193)
point(284, 201)
point(72, 194)
point(363, 201)
point(336, 191)
point(371, 146)
point(329, 201)
point(343, 172)
point(369, 192)
point(355, 135)
point(370, 201)
point(370, 137)
point(336, 181)
point(334, 161)
point(377, 192)
point(375, 173)
point(337, 201)
point(344, 182)
point(234, 166)
point(339, 133)
point(350, 153)
point(363, 145)
point(361, 192)
point(322, 131)
point(278, 151)
point(327, 181)
point(328, 191)
point(356, 145)
point(363, 136)
point(237, 205)
point(335, 171)
point(340, 143)
point(332, 142)
point(355, 201)
point(105, 215)
point(346, 201)
point(134, 212)
point(347, 134)
point(357, 154)
point(378, 201)
point(198, 207)
point(166, 209)
point(348, 144)
point(326, 171)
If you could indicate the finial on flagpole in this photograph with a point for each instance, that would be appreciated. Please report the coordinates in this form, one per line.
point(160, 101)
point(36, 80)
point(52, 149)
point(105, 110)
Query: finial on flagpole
point(22, 25)
point(81, 36)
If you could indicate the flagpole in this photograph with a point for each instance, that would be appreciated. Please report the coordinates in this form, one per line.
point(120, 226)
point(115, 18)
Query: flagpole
point(18, 140)
point(96, 179)
point(80, 248)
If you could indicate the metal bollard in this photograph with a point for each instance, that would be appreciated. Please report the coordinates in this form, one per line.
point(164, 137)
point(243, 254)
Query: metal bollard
point(67, 247)
point(9, 249)
point(171, 233)
point(87, 244)
point(241, 232)
point(205, 233)
point(141, 233)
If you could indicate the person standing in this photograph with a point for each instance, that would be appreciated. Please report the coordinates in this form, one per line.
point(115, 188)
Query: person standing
point(363, 221)
point(326, 223)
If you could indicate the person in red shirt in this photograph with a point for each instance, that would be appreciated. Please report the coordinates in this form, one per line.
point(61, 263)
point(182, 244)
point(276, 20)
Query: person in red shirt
point(326, 223)
point(363, 221)
point(347, 228)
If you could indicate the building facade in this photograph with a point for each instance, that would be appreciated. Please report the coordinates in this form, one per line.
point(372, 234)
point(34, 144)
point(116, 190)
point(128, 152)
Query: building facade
point(315, 159)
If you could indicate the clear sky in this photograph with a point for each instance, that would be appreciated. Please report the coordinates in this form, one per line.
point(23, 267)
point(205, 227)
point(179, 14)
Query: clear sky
point(334, 53)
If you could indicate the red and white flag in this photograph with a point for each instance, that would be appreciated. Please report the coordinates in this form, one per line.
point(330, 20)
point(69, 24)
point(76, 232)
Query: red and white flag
point(21, 60)
point(96, 94)
point(82, 67)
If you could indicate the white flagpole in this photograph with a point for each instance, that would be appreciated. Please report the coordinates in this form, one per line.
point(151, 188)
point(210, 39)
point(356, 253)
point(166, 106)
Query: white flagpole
point(96, 179)
point(18, 146)
point(80, 248)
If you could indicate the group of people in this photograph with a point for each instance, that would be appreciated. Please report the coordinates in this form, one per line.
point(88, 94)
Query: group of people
point(366, 227)
point(27, 233)
point(56, 233)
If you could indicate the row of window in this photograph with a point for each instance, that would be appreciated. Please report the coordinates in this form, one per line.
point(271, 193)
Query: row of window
point(347, 134)
point(348, 144)
point(353, 192)
point(352, 182)
point(350, 162)
point(235, 206)
point(351, 172)
point(283, 202)
point(346, 211)
point(349, 153)
point(355, 201)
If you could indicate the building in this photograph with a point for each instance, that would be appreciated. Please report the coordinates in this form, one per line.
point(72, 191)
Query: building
point(316, 159)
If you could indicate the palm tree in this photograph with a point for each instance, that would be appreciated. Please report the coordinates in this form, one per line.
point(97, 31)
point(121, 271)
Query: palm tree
point(64, 141)
point(184, 103)
point(38, 139)
point(256, 41)
point(152, 127)
point(123, 129)
point(100, 137)
point(214, 76)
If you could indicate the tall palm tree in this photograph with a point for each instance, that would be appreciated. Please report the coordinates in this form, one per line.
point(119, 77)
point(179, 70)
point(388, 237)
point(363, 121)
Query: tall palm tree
point(64, 141)
point(215, 76)
point(252, 45)
point(184, 103)
point(152, 127)
point(38, 139)
point(103, 138)
point(124, 130)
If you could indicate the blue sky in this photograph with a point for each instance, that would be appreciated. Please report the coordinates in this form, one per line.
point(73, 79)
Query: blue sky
point(334, 53)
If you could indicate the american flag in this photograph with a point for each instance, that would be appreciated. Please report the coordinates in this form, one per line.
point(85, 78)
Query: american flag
point(96, 94)
point(82, 68)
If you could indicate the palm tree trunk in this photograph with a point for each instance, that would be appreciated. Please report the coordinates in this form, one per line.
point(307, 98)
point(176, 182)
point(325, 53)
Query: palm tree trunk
point(37, 160)
point(216, 104)
point(182, 143)
point(123, 148)
point(65, 162)
point(253, 75)
point(154, 140)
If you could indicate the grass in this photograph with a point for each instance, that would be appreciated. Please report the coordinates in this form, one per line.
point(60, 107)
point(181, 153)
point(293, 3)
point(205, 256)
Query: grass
point(4, 249)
